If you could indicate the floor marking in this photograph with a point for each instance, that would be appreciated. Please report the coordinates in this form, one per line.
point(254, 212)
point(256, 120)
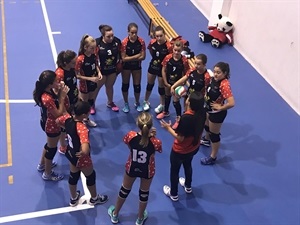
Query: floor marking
point(49, 31)
point(17, 101)
point(49, 212)
point(56, 32)
point(6, 92)
point(10, 179)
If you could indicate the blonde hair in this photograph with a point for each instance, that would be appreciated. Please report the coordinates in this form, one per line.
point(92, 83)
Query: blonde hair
point(144, 122)
point(85, 40)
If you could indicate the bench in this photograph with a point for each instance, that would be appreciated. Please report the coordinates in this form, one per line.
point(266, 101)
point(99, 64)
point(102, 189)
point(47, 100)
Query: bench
point(156, 19)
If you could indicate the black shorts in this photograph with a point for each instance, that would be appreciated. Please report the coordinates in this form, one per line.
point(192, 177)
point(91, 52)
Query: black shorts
point(218, 117)
point(70, 155)
point(88, 87)
point(136, 65)
point(133, 175)
point(154, 70)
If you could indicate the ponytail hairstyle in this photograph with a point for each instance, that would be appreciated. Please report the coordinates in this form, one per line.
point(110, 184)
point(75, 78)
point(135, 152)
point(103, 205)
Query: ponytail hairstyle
point(144, 122)
point(85, 41)
point(196, 102)
point(103, 28)
point(46, 78)
point(224, 67)
point(65, 57)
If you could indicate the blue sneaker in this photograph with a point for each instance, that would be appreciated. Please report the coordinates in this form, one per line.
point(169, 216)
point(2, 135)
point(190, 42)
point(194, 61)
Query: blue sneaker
point(126, 108)
point(208, 160)
point(138, 107)
point(41, 167)
point(113, 218)
point(140, 221)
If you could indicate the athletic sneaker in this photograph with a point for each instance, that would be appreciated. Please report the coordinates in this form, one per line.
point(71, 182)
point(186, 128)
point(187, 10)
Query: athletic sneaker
point(126, 108)
point(175, 125)
point(113, 218)
point(208, 160)
point(101, 199)
point(62, 150)
point(113, 107)
point(53, 176)
point(138, 107)
point(182, 183)
point(205, 142)
point(167, 191)
point(159, 108)
point(140, 221)
point(41, 168)
point(146, 105)
point(162, 115)
point(93, 110)
point(74, 202)
point(90, 123)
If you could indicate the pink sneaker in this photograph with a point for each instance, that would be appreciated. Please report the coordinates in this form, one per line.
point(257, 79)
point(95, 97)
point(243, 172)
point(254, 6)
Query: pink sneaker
point(113, 107)
point(175, 125)
point(93, 110)
point(162, 115)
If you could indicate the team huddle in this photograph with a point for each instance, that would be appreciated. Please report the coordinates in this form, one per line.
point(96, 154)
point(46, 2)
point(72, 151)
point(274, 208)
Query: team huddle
point(67, 98)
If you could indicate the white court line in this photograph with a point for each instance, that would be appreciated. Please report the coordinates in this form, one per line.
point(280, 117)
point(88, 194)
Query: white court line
point(49, 212)
point(86, 195)
point(17, 101)
point(56, 32)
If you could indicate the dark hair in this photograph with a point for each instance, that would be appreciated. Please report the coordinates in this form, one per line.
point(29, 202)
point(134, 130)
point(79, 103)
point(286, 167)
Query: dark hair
point(46, 78)
point(81, 107)
point(65, 57)
point(144, 122)
point(196, 100)
point(159, 28)
point(224, 67)
point(132, 25)
point(202, 57)
point(104, 28)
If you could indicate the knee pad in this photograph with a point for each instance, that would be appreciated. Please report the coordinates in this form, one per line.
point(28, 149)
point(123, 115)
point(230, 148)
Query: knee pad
point(123, 193)
point(125, 87)
point(214, 138)
point(206, 128)
point(91, 179)
point(161, 91)
point(143, 195)
point(91, 102)
point(149, 87)
point(74, 177)
point(137, 88)
point(50, 152)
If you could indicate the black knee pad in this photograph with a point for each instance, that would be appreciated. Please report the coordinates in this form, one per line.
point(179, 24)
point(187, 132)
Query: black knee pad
point(74, 177)
point(50, 152)
point(206, 128)
point(137, 88)
point(91, 102)
point(149, 87)
point(214, 138)
point(91, 179)
point(161, 91)
point(143, 195)
point(123, 193)
point(125, 87)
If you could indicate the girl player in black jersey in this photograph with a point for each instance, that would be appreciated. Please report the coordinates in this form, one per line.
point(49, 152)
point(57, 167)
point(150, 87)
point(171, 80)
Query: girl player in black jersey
point(108, 51)
point(158, 47)
point(141, 163)
point(88, 72)
point(132, 53)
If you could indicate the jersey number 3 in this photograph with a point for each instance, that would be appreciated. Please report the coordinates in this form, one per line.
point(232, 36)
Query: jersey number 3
point(139, 156)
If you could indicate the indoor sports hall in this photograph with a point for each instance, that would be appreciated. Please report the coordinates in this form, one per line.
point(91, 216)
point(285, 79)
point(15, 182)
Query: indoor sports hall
point(256, 180)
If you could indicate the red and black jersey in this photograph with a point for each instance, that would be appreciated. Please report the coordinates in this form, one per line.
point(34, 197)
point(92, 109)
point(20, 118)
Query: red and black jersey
point(108, 54)
point(158, 53)
point(87, 65)
point(175, 69)
point(141, 161)
point(218, 92)
point(133, 48)
point(186, 128)
point(70, 79)
point(197, 82)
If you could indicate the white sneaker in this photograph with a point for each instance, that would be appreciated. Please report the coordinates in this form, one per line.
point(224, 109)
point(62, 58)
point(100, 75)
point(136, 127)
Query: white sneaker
point(90, 123)
point(182, 183)
point(167, 191)
point(159, 108)
point(146, 105)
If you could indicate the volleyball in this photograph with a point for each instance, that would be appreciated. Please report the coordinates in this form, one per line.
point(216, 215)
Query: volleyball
point(180, 91)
